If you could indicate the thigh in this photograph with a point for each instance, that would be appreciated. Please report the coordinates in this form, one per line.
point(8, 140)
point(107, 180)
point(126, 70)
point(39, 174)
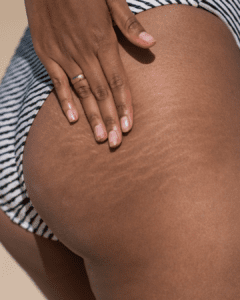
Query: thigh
point(56, 271)
point(101, 203)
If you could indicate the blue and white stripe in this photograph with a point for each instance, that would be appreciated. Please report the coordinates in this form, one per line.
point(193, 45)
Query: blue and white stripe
point(25, 87)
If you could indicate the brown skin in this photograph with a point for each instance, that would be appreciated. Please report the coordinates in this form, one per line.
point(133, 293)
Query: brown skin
point(158, 218)
point(57, 271)
point(77, 36)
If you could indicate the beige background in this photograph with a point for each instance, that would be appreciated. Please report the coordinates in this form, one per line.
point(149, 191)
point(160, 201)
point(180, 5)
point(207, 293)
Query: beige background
point(13, 21)
point(14, 283)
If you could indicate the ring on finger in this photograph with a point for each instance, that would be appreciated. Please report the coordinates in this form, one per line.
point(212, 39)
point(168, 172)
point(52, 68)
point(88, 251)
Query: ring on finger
point(80, 77)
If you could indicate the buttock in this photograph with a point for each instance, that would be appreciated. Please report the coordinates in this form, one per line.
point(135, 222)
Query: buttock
point(24, 89)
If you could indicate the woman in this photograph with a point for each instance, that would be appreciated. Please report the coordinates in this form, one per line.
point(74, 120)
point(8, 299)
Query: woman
point(157, 218)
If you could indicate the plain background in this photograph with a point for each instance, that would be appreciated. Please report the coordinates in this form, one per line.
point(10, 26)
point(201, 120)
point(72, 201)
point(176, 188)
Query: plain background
point(14, 282)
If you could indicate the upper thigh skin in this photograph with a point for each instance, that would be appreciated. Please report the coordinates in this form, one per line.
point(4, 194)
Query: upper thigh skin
point(186, 127)
point(49, 263)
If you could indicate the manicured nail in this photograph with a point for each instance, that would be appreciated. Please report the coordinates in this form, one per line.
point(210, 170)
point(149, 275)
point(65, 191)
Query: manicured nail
point(147, 37)
point(113, 138)
point(100, 132)
point(125, 124)
point(72, 117)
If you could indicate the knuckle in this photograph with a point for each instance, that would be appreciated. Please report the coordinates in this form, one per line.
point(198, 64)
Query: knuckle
point(106, 45)
point(83, 91)
point(98, 37)
point(132, 23)
point(58, 82)
point(116, 81)
point(92, 118)
point(101, 93)
point(109, 121)
point(121, 108)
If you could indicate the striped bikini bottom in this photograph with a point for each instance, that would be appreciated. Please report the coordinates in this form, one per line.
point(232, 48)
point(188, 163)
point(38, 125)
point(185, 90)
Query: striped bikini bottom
point(25, 87)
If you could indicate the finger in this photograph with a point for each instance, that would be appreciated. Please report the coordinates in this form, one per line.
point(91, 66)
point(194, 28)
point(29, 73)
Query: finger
point(103, 98)
point(112, 66)
point(90, 107)
point(63, 90)
point(129, 24)
point(96, 98)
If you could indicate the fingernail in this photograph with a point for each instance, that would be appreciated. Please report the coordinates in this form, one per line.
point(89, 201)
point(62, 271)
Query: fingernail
point(113, 138)
point(99, 132)
point(125, 124)
point(71, 115)
point(147, 37)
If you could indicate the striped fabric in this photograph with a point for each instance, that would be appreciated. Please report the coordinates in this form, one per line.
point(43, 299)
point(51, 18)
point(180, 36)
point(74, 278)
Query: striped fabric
point(25, 87)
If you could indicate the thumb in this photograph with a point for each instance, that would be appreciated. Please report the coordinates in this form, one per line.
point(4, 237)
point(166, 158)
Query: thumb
point(129, 25)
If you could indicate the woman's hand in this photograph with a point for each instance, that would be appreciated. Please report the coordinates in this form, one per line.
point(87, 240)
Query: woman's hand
point(72, 37)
